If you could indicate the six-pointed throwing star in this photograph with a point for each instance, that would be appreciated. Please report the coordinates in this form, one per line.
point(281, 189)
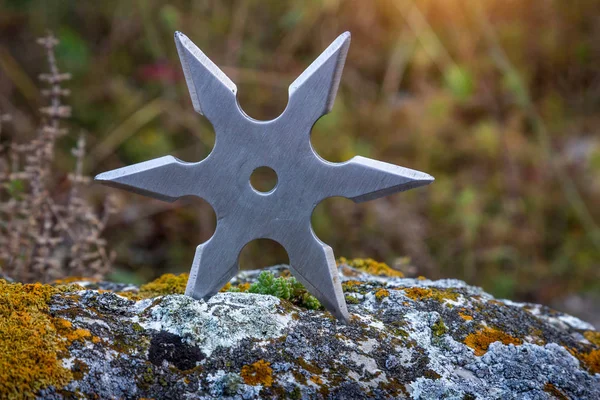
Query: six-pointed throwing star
point(282, 144)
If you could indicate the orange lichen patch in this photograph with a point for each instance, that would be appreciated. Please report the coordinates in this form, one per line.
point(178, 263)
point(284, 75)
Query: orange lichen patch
point(243, 287)
point(29, 341)
point(381, 294)
point(96, 339)
point(371, 266)
point(316, 379)
point(78, 334)
point(554, 391)
point(465, 316)
point(259, 373)
point(593, 337)
point(591, 360)
point(62, 324)
point(165, 284)
point(350, 285)
point(480, 341)
point(65, 329)
point(421, 278)
point(420, 294)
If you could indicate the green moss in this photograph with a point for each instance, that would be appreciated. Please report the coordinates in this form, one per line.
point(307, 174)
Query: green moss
point(439, 328)
point(351, 286)
point(296, 394)
point(313, 369)
point(309, 301)
point(148, 376)
point(285, 288)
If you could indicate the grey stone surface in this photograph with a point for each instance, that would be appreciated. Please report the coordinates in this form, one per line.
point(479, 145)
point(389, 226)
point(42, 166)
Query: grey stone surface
point(408, 338)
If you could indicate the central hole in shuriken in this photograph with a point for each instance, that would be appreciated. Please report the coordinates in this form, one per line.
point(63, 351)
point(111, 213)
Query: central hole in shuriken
point(263, 179)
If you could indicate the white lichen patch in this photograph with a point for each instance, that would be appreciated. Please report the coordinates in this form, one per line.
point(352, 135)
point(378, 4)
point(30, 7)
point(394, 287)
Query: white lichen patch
point(346, 342)
point(370, 320)
point(401, 357)
point(368, 345)
point(460, 301)
point(91, 321)
point(367, 363)
point(576, 323)
point(68, 362)
point(224, 320)
point(420, 331)
point(558, 319)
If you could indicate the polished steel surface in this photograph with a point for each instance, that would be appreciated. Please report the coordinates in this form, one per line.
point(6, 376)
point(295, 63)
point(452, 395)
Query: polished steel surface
point(243, 144)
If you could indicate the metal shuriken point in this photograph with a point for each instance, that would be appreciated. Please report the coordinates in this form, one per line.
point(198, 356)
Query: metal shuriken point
point(282, 144)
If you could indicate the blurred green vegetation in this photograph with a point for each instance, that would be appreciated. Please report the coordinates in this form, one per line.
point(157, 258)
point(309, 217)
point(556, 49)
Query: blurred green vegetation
point(497, 99)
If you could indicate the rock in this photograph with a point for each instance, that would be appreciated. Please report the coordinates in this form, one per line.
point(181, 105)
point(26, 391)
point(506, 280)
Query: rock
point(408, 338)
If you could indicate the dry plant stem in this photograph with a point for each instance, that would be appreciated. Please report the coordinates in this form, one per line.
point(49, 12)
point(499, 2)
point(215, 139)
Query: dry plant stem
point(41, 239)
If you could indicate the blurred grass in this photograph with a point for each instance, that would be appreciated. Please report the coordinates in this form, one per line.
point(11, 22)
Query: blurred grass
point(497, 99)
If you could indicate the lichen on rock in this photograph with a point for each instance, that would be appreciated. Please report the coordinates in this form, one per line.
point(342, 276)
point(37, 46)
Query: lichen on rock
point(222, 321)
point(258, 373)
point(166, 284)
point(481, 340)
point(408, 338)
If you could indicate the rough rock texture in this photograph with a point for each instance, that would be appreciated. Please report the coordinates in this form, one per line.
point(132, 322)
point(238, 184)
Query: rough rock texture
point(412, 338)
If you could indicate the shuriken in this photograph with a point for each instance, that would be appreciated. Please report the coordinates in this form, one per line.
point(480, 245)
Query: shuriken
point(282, 144)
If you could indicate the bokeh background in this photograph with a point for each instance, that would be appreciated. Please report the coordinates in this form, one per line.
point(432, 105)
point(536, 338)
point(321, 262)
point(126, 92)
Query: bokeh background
point(498, 99)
